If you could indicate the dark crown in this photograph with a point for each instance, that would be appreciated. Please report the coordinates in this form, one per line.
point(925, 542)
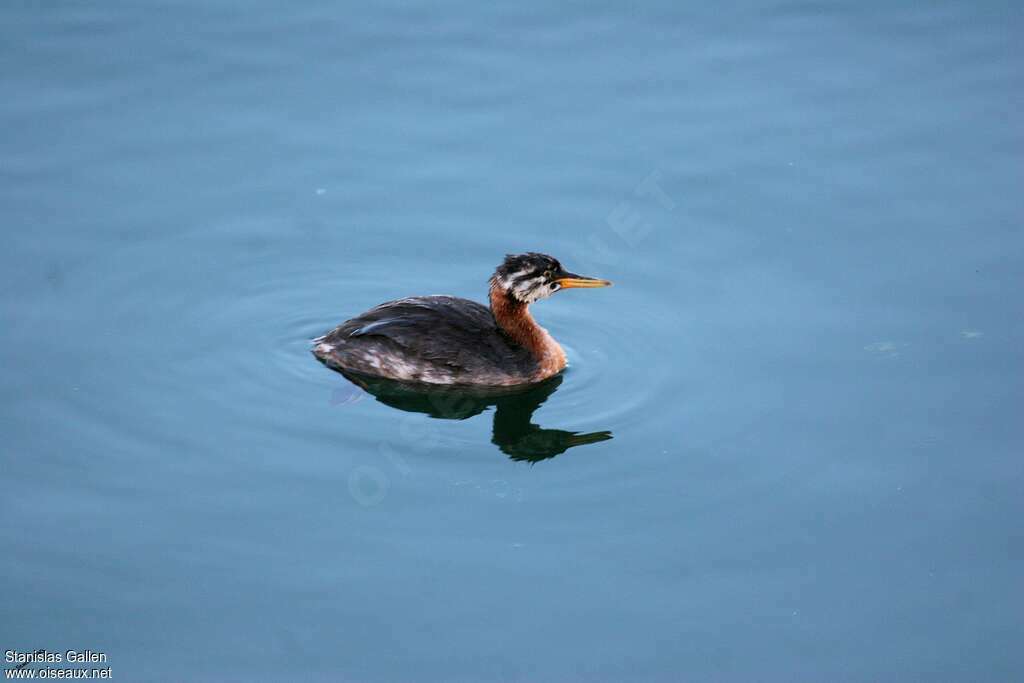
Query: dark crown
point(526, 266)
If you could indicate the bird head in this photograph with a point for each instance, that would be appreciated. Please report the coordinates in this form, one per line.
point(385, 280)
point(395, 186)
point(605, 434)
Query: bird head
point(530, 277)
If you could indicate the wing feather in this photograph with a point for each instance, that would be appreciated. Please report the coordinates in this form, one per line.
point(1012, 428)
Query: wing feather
point(458, 334)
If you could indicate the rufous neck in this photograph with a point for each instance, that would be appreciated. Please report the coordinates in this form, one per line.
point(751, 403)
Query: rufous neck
point(514, 317)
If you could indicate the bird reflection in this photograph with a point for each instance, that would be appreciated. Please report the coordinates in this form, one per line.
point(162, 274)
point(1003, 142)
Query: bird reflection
point(513, 432)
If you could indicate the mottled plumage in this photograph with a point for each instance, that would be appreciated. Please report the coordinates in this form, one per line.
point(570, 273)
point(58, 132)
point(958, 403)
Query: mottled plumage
point(453, 341)
point(430, 339)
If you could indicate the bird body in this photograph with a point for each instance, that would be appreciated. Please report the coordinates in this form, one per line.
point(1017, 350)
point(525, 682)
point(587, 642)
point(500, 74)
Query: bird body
point(448, 340)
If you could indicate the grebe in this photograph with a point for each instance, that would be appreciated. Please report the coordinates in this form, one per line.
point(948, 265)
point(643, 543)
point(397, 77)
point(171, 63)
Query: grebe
point(452, 341)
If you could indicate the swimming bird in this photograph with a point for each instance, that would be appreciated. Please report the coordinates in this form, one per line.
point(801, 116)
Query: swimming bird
point(452, 341)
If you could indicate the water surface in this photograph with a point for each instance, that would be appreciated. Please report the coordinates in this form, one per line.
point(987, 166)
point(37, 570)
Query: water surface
point(810, 363)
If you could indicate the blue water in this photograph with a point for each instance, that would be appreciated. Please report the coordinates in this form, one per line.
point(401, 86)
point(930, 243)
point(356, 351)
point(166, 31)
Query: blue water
point(810, 365)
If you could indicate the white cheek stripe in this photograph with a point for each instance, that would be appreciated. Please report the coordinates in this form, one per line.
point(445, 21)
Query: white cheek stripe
point(533, 290)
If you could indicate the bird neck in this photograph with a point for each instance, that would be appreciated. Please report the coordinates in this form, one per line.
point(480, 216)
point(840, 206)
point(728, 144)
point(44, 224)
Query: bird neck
point(514, 317)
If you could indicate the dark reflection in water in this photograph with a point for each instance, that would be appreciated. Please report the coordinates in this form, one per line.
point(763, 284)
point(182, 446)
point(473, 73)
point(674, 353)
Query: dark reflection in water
point(513, 431)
